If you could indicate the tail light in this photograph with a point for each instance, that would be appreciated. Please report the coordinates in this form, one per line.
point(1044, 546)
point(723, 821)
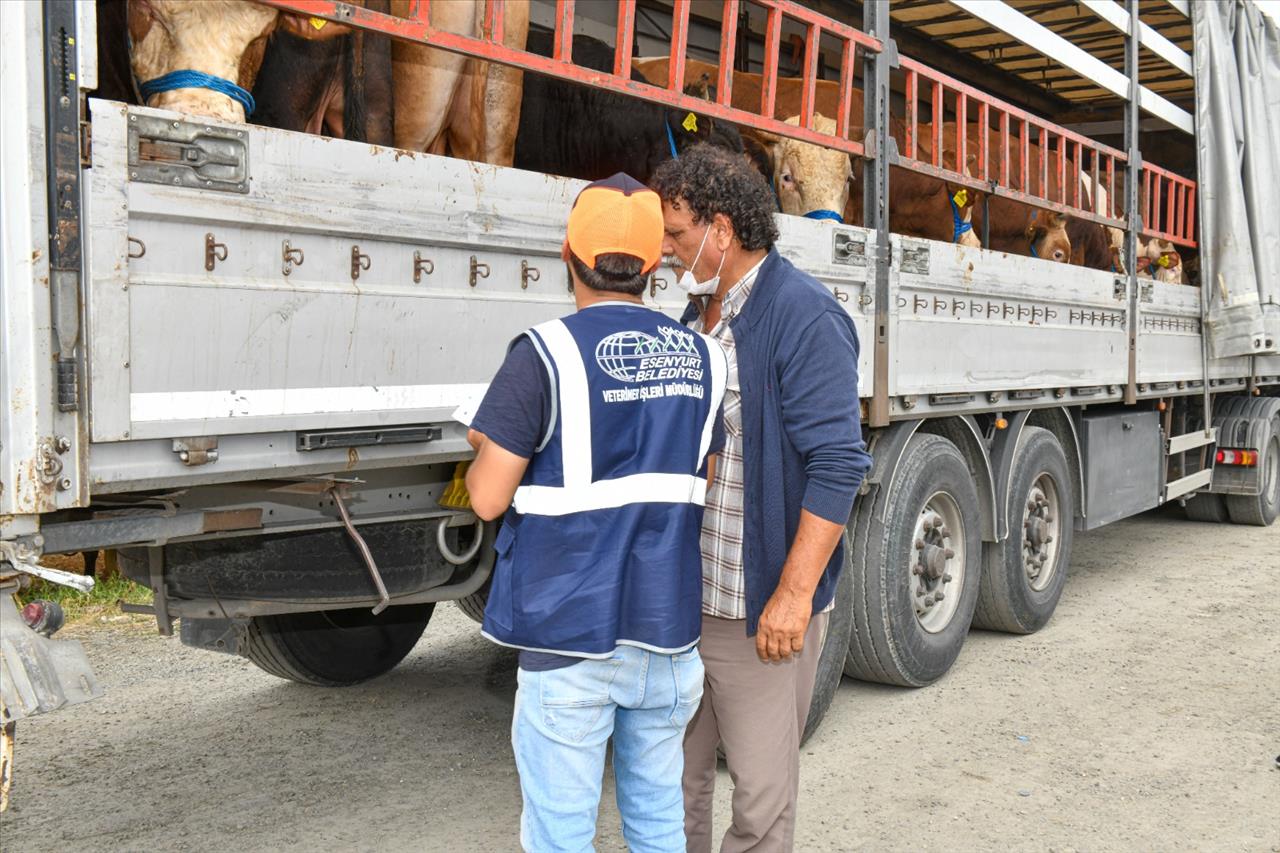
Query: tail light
point(1244, 458)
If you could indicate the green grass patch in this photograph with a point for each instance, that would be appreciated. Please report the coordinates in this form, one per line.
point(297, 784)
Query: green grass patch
point(81, 605)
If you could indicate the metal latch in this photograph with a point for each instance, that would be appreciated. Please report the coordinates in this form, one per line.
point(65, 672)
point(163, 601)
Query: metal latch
point(187, 154)
point(848, 249)
point(915, 258)
point(1146, 292)
point(196, 451)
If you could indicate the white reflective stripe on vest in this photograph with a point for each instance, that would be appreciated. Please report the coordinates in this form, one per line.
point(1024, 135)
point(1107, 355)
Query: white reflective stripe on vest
point(610, 494)
point(719, 376)
point(575, 406)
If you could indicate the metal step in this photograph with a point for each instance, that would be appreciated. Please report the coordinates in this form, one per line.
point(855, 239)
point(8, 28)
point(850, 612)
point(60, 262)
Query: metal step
point(1192, 440)
point(1188, 484)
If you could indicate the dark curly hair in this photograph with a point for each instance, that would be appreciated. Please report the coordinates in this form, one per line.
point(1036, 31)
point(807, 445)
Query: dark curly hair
point(711, 180)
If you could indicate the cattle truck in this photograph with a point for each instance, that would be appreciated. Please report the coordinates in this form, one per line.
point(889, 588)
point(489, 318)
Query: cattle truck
point(231, 354)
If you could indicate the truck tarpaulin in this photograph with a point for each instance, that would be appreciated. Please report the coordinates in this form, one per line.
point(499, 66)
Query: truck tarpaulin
point(1237, 56)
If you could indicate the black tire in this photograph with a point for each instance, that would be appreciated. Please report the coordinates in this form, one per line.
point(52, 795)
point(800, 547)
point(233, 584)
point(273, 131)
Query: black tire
point(334, 648)
point(835, 646)
point(1208, 508)
point(473, 605)
point(1011, 599)
point(888, 643)
point(1261, 509)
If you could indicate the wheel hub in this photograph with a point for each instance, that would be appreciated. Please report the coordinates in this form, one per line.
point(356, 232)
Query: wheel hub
point(935, 567)
point(1040, 529)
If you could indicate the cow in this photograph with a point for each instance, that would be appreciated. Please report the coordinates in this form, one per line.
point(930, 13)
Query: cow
point(583, 132)
point(340, 86)
point(202, 56)
point(919, 205)
point(1159, 259)
point(448, 103)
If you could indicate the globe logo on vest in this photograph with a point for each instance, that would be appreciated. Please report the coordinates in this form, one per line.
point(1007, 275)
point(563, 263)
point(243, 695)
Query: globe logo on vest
point(634, 356)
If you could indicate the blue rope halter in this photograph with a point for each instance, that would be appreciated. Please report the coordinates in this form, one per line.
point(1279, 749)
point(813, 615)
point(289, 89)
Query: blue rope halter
point(189, 79)
point(824, 214)
point(958, 224)
point(671, 140)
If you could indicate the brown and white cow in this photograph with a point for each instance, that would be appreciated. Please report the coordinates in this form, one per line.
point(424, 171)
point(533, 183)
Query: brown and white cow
point(449, 103)
point(221, 38)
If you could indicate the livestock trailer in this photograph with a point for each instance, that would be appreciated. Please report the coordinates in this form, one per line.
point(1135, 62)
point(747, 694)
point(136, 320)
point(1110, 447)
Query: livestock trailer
point(231, 353)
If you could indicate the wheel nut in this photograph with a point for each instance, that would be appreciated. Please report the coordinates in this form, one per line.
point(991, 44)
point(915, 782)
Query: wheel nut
point(946, 578)
point(919, 544)
point(928, 602)
point(1048, 539)
point(928, 525)
point(915, 570)
point(948, 553)
point(938, 596)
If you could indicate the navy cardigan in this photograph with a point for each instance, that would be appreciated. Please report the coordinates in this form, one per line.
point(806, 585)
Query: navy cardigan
point(802, 441)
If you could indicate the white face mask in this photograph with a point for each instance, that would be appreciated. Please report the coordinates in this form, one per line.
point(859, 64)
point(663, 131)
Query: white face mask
point(690, 284)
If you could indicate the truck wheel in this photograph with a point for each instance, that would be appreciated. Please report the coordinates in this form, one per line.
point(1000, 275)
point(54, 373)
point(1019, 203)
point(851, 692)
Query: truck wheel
point(1261, 509)
point(915, 574)
point(1023, 576)
point(473, 605)
point(1207, 507)
point(334, 648)
point(834, 648)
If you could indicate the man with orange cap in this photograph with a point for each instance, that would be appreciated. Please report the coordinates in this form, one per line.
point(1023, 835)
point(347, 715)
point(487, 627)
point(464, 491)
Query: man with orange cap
point(597, 439)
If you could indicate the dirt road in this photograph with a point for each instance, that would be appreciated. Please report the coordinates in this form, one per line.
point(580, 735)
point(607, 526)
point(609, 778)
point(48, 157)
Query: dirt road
point(1146, 716)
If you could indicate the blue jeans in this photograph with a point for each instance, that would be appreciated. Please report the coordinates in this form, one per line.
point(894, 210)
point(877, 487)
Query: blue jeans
point(562, 723)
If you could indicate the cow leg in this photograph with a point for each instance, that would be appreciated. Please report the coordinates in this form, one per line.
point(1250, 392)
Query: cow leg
point(427, 79)
point(502, 94)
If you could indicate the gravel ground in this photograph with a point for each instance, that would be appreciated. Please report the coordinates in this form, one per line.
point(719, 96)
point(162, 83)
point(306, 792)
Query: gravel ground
point(1146, 716)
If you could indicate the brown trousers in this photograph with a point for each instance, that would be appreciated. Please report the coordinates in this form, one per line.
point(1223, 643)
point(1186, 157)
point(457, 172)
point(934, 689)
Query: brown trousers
point(757, 711)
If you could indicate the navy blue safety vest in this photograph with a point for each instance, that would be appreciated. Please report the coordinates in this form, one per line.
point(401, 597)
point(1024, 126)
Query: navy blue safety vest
point(601, 544)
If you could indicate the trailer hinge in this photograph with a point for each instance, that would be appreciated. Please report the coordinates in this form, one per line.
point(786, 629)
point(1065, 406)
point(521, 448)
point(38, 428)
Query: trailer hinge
point(86, 145)
point(196, 451)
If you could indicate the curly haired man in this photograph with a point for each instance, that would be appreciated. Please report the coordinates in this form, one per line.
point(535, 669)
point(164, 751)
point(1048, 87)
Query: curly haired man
point(791, 465)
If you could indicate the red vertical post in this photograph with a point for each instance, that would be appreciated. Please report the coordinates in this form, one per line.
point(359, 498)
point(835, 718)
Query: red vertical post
point(679, 41)
point(494, 18)
point(562, 50)
point(1111, 181)
point(1062, 170)
point(1168, 207)
point(1005, 153)
point(728, 51)
point(848, 61)
point(1175, 220)
point(962, 124)
point(1146, 202)
point(769, 80)
point(1078, 171)
point(1191, 213)
point(935, 131)
point(625, 40)
point(1097, 185)
point(1024, 170)
point(418, 10)
point(1044, 163)
point(912, 113)
point(984, 128)
point(809, 76)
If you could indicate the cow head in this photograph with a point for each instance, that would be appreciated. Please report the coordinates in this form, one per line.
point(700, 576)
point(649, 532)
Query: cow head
point(1047, 237)
point(810, 180)
point(221, 38)
point(1159, 259)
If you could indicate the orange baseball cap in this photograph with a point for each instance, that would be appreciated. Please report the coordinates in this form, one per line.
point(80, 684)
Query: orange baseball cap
point(616, 215)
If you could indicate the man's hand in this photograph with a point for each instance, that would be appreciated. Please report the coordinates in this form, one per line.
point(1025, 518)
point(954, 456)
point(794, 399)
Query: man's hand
point(786, 615)
point(783, 623)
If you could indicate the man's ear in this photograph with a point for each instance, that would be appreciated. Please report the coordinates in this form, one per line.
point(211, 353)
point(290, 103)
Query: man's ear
point(723, 227)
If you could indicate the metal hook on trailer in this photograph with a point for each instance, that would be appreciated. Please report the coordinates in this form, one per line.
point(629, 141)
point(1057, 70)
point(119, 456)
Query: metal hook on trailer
point(448, 553)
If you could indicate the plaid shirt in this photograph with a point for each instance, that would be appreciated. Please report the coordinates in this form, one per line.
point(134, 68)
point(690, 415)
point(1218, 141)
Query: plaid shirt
point(723, 584)
point(723, 580)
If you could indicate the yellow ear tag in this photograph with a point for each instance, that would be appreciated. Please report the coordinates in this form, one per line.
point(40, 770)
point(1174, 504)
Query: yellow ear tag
point(1163, 261)
point(961, 198)
point(690, 123)
point(318, 23)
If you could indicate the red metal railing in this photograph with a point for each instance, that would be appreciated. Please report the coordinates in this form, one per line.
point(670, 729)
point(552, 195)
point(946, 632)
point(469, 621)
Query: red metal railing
point(1168, 206)
point(1168, 200)
point(1058, 148)
point(417, 27)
